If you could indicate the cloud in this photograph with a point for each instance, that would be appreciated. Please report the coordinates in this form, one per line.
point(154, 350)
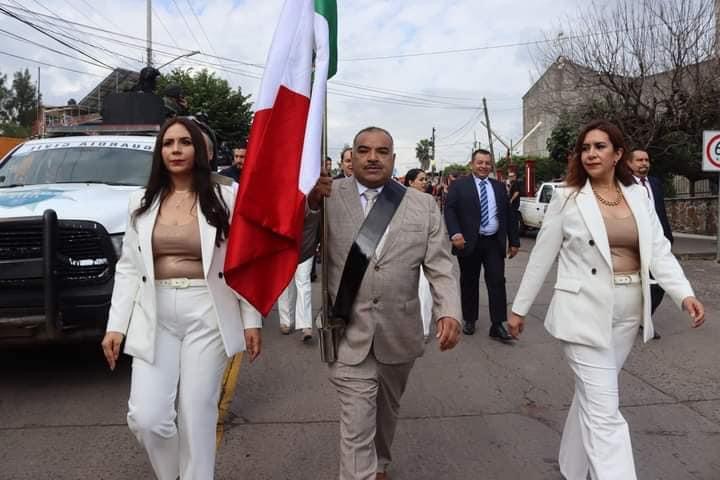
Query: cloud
point(243, 30)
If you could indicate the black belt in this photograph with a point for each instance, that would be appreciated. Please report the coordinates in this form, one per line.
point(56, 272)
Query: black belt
point(364, 246)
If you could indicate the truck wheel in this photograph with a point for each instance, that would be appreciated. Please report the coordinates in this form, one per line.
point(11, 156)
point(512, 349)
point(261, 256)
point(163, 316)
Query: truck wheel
point(522, 228)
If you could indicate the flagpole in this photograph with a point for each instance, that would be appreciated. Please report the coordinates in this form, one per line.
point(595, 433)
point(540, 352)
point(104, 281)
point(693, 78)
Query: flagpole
point(327, 335)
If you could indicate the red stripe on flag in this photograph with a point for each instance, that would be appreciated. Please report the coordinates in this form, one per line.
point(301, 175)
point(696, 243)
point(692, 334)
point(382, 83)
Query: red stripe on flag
point(266, 230)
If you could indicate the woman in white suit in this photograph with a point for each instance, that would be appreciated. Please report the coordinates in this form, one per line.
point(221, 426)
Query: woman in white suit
point(170, 303)
point(417, 179)
point(607, 239)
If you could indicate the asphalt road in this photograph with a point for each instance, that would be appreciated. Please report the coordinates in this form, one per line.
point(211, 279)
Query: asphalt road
point(482, 411)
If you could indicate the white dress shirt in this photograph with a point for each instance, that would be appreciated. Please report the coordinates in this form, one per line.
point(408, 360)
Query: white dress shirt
point(493, 224)
point(647, 186)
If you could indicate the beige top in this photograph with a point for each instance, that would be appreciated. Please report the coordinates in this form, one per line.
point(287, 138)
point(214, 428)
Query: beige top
point(624, 244)
point(177, 251)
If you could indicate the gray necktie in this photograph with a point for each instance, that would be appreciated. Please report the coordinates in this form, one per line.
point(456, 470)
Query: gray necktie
point(370, 197)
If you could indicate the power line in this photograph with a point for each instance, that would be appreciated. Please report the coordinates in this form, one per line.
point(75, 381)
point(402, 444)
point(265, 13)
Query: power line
point(59, 52)
point(38, 62)
point(187, 24)
point(56, 18)
point(102, 15)
point(499, 46)
point(12, 15)
point(159, 19)
point(97, 47)
point(202, 29)
point(36, 16)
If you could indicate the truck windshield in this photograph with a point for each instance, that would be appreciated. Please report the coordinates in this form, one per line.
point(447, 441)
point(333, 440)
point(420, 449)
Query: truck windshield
point(113, 166)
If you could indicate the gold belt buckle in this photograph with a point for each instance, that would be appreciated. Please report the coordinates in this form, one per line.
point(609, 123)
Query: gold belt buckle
point(180, 282)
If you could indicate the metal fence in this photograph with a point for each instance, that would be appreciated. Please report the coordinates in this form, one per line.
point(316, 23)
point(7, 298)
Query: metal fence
point(682, 187)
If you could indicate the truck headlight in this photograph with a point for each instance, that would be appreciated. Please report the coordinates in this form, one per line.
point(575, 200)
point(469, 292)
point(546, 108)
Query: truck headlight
point(117, 242)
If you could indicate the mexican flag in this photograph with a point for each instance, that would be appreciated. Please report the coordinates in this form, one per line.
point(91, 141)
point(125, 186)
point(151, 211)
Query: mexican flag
point(284, 153)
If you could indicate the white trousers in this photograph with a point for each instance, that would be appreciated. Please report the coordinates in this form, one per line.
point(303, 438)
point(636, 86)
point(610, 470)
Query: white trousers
point(426, 302)
point(189, 363)
point(596, 438)
point(295, 303)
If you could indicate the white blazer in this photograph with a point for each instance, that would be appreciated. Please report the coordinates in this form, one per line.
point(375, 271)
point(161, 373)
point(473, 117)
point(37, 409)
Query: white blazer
point(574, 232)
point(133, 311)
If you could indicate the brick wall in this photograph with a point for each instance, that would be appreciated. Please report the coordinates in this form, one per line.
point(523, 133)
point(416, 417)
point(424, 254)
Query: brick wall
point(697, 215)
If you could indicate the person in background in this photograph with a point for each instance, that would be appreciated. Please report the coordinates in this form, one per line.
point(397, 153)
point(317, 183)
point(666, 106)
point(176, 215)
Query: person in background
point(346, 166)
point(234, 171)
point(603, 230)
point(295, 303)
point(514, 190)
point(639, 163)
point(416, 178)
point(483, 231)
point(170, 303)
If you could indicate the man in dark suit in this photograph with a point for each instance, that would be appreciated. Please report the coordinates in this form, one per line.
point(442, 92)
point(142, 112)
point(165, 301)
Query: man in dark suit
point(639, 163)
point(235, 170)
point(480, 224)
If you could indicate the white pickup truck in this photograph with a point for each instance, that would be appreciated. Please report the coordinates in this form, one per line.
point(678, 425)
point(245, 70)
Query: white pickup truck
point(532, 209)
point(63, 208)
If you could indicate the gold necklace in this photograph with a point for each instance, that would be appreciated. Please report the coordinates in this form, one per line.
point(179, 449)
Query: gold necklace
point(185, 196)
point(609, 203)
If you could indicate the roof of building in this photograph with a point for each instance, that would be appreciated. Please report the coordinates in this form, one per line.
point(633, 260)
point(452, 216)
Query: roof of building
point(120, 80)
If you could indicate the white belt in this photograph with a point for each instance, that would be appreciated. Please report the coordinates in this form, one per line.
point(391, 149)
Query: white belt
point(181, 282)
point(626, 278)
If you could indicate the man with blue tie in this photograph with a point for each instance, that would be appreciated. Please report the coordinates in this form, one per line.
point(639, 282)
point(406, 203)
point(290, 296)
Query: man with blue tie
point(481, 228)
point(639, 163)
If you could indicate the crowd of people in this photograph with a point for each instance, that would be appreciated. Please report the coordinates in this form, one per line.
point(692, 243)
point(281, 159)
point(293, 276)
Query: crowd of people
point(180, 321)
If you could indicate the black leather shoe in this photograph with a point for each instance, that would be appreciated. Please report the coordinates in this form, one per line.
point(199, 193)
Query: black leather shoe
point(498, 332)
point(469, 328)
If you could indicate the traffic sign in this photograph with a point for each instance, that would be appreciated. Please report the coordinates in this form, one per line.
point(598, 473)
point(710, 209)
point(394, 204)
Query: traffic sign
point(711, 151)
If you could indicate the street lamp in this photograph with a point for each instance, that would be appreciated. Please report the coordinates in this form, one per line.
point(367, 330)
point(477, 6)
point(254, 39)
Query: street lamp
point(185, 55)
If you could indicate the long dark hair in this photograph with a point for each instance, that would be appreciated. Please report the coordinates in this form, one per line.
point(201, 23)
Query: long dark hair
point(159, 184)
point(411, 175)
point(577, 176)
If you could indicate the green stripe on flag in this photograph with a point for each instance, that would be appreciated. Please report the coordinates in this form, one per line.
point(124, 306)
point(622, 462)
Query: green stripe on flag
point(328, 9)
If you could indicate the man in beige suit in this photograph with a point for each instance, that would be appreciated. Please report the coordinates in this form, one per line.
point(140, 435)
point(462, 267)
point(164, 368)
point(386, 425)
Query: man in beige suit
point(385, 332)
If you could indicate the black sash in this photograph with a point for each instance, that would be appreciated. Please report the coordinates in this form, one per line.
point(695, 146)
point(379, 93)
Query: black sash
point(364, 246)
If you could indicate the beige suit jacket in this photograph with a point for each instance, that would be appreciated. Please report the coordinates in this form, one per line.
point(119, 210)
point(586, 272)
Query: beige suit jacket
point(386, 313)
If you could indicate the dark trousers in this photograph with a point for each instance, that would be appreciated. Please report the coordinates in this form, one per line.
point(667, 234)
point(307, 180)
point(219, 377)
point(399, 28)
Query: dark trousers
point(489, 254)
point(656, 296)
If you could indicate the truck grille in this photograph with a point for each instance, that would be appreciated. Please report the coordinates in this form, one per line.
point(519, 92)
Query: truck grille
point(84, 256)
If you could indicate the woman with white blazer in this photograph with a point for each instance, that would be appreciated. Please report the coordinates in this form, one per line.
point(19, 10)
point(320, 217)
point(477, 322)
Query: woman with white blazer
point(417, 178)
point(607, 239)
point(170, 303)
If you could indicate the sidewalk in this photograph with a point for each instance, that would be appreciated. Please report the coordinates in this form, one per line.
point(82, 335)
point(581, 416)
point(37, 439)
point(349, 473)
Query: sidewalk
point(694, 247)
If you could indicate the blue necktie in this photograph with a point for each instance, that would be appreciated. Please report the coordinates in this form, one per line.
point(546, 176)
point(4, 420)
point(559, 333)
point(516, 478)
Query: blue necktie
point(484, 220)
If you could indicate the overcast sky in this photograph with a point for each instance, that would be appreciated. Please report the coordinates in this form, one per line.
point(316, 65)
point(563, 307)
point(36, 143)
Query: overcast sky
point(241, 31)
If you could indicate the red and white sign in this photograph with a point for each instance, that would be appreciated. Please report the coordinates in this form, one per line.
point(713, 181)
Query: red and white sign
point(711, 151)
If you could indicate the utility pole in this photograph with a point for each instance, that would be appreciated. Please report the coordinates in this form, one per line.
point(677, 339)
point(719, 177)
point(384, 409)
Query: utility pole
point(149, 33)
point(432, 157)
point(37, 108)
point(490, 140)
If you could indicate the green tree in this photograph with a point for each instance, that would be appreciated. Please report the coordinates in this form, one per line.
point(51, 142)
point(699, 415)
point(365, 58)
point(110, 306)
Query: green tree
point(456, 168)
point(562, 139)
point(21, 103)
point(229, 111)
point(4, 95)
point(423, 152)
point(658, 85)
